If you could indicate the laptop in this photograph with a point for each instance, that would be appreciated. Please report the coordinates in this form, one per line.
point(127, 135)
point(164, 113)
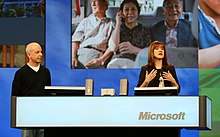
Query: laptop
point(180, 57)
point(183, 57)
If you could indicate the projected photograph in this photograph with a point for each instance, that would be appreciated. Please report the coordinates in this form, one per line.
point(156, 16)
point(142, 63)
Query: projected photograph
point(21, 21)
point(209, 34)
point(115, 34)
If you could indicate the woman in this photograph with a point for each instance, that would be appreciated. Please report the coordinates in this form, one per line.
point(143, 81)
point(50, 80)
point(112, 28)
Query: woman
point(127, 39)
point(158, 70)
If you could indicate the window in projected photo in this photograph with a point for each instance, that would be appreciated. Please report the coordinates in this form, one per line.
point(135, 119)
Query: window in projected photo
point(96, 43)
point(21, 21)
point(21, 8)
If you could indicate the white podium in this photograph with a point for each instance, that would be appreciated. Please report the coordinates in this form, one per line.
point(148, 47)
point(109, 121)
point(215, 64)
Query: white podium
point(112, 111)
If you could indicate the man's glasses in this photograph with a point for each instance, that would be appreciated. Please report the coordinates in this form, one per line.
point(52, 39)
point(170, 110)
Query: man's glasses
point(173, 5)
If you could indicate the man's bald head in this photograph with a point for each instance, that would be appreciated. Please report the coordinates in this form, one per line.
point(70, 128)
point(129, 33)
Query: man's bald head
point(31, 46)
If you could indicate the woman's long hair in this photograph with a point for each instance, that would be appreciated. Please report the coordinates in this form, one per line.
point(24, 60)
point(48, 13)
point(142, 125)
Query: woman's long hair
point(153, 46)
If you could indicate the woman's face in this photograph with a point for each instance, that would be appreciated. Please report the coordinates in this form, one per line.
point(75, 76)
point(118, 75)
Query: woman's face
point(159, 52)
point(130, 12)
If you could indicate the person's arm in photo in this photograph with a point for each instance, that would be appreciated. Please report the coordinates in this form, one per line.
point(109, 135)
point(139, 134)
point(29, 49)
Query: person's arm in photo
point(115, 37)
point(209, 57)
point(77, 38)
point(100, 61)
point(75, 47)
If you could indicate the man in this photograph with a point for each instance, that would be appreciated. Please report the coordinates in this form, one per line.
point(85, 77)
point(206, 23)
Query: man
point(30, 80)
point(90, 38)
point(209, 33)
point(173, 31)
point(176, 33)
